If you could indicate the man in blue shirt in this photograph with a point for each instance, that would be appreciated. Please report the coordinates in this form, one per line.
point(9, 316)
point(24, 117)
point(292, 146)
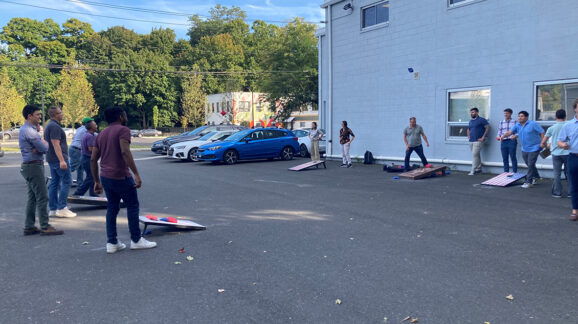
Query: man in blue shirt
point(568, 140)
point(33, 148)
point(74, 153)
point(477, 131)
point(559, 155)
point(531, 135)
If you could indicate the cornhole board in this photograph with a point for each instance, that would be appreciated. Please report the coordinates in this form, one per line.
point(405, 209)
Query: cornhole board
point(307, 165)
point(94, 201)
point(424, 172)
point(504, 179)
point(181, 224)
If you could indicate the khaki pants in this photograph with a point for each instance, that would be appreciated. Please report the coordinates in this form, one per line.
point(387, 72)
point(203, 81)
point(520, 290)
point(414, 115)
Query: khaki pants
point(476, 148)
point(315, 151)
point(37, 195)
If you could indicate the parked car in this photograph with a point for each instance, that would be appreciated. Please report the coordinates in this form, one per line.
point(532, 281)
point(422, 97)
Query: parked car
point(305, 143)
point(11, 133)
point(150, 132)
point(188, 150)
point(196, 134)
point(1, 152)
point(135, 133)
point(261, 143)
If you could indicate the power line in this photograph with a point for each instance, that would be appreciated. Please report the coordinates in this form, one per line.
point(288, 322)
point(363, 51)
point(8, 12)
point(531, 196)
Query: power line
point(66, 67)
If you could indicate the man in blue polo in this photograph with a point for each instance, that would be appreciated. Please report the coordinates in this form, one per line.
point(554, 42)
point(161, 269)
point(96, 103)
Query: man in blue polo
point(75, 154)
point(477, 130)
point(568, 140)
point(531, 135)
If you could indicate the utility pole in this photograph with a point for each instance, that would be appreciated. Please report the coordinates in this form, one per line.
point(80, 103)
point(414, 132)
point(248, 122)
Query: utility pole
point(42, 93)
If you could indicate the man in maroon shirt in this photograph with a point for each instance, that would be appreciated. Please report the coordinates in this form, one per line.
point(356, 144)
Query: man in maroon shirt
point(112, 147)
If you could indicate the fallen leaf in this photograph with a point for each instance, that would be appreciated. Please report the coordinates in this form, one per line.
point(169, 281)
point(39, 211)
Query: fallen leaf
point(510, 297)
point(190, 258)
point(325, 256)
point(182, 250)
point(406, 319)
point(58, 301)
point(85, 243)
point(221, 290)
point(486, 322)
point(338, 301)
point(264, 251)
point(385, 319)
point(352, 238)
point(415, 320)
point(229, 242)
point(177, 262)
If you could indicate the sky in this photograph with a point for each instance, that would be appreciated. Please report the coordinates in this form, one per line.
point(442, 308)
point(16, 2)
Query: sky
point(272, 11)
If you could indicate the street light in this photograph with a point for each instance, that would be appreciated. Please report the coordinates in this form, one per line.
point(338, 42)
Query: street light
point(42, 93)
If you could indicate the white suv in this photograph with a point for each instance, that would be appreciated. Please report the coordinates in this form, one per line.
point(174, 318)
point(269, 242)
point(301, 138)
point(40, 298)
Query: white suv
point(188, 150)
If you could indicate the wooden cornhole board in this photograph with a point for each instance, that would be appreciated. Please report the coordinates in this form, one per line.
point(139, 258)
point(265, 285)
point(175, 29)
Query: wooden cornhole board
point(94, 201)
point(424, 172)
point(504, 179)
point(181, 224)
point(309, 164)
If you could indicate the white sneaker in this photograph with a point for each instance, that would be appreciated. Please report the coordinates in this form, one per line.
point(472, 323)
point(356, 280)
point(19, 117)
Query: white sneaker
point(471, 173)
point(527, 185)
point(142, 244)
point(113, 248)
point(65, 212)
point(52, 213)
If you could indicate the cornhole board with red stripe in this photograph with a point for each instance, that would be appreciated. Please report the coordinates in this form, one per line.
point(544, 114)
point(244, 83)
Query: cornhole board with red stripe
point(89, 200)
point(424, 172)
point(181, 223)
point(504, 179)
point(310, 164)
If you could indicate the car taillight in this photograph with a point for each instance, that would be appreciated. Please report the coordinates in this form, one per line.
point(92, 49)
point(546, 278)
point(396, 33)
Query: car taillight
point(295, 138)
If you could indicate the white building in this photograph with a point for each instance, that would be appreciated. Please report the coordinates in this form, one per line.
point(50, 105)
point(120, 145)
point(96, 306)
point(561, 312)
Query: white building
point(381, 62)
point(240, 108)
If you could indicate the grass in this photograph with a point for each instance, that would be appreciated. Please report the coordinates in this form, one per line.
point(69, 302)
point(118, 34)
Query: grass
point(11, 149)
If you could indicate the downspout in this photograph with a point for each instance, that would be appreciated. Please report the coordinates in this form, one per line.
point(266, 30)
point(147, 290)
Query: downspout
point(330, 81)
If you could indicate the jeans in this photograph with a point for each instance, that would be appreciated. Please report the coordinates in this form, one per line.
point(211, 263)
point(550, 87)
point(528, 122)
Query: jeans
point(419, 150)
point(530, 158)
point(559, 161)
point(345, 153)
point(74, 155)
point(476, 148)
point(115, 191)
point(508, 148)
point(37, 195)
point(60, 178)
point(315, 151)
point(88, 182)
point(573, 174)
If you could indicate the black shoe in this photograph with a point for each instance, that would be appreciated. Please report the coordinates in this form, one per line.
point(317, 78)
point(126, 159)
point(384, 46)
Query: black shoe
point(343, 166)
point(31, 231)
point(349, 165)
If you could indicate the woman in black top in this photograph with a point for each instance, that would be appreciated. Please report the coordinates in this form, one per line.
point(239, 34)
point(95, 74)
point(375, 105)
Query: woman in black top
point(345, 142)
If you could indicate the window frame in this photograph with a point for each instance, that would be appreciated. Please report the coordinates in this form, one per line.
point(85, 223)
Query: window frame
point(462, 139)
point(461, 4)
point(377, 25)
point(546, 123)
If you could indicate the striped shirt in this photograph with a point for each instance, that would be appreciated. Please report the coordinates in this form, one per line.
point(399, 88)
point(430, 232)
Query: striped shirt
point(506, 126)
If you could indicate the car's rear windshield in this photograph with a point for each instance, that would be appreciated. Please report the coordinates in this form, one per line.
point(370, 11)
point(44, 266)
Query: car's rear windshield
point(207, 136)
point(197, 130)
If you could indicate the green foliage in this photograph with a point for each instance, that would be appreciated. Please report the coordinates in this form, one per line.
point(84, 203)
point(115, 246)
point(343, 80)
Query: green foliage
point(74, 94)
point(28, 33)
point(223, 21)
point(11, 103)
point(193, 101)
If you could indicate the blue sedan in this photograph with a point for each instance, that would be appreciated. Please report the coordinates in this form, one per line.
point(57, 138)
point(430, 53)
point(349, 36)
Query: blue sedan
point(260, 143)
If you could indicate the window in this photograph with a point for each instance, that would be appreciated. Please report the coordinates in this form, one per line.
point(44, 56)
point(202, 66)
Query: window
point(459, 104)
point(228, 106)
point(302, 124)
point(457, 3)
point(217, 107)
point(213, 107)
point(244, 106)
point(259, 107)
point(375, 14)
point(553, 96)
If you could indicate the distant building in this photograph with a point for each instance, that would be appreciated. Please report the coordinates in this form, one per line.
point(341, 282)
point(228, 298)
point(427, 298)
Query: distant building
point(381, 62)
point(302, 119)
point(240, 108)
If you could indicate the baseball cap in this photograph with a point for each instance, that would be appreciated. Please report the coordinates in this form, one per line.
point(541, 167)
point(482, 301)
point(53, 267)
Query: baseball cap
point(86, 120)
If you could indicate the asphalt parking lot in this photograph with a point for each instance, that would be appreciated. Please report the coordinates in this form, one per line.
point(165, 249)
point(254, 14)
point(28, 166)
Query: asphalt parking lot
point(283, 247)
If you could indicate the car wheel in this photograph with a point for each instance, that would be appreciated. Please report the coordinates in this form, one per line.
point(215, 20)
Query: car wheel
point(8, 136)
point(303, 152)
point(192, 156)
point(230, 157)
point(287, 153)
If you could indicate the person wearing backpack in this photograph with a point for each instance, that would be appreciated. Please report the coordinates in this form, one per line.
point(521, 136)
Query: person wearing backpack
point(412, 137)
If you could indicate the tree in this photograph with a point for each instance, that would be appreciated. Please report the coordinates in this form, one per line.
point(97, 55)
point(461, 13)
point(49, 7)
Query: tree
point(75, 33)
point(223, 20)
point(75, 96)
point(155, 117)
point(11, 103)
point(159, 41)
point(296, 51)
point(28, 33)
point(54, 52)
point(193, 101)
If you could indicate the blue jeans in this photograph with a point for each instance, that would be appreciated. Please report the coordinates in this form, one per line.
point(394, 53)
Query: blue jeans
point(88, 182)
point(74, 155)
point(559, 161)
point(419, 150)
point(573, 177)
point(60, 178)
point(115, 191)
point(508, 148)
